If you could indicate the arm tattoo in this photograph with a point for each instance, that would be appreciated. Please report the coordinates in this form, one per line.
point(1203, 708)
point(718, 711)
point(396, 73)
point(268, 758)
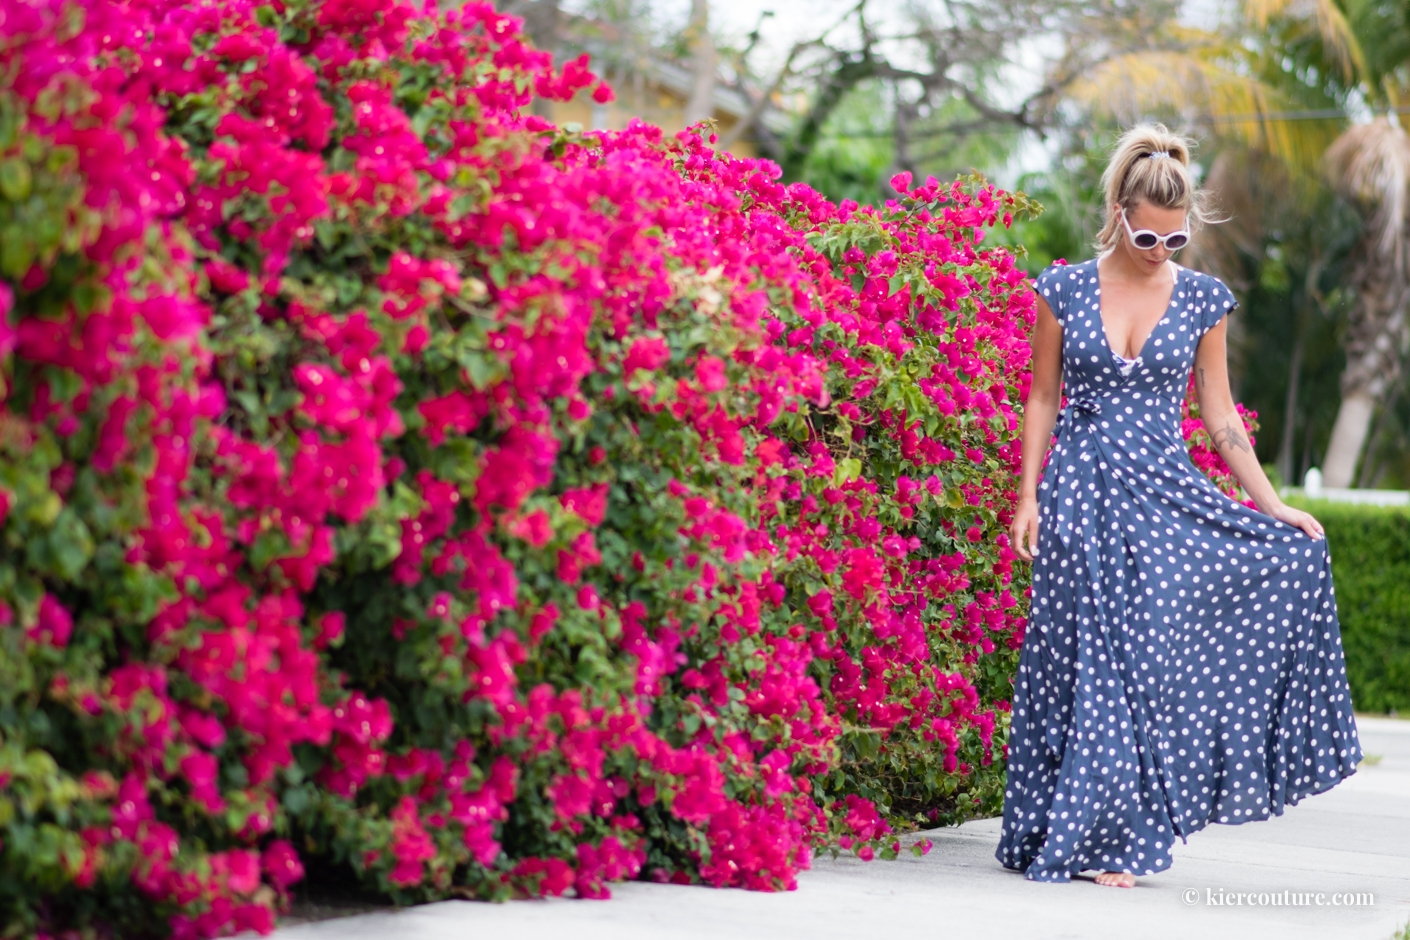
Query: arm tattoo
point(1201, 376)
point(1231, 435)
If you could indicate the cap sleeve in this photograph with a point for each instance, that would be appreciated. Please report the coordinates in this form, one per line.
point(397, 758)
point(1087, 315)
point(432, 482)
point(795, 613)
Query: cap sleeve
point(1217, 301)
point(1054, 286)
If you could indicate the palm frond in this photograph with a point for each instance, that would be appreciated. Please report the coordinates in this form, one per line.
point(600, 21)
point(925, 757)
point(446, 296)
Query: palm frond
point(1370, 165)
point(1339, 39)
point(1204, 84)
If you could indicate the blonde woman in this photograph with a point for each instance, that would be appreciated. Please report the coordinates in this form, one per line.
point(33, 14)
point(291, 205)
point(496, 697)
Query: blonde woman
point(1183, 661)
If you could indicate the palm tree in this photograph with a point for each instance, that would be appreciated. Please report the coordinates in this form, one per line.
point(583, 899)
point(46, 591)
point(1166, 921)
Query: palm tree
point(1370, 165)
point(1230, 80)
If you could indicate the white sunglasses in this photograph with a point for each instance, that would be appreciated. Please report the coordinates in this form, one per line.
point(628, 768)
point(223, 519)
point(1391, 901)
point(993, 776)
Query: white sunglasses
point(1145, 239)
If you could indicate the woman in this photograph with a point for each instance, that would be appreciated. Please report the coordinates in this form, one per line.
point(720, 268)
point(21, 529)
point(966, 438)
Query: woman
point(1183, 662)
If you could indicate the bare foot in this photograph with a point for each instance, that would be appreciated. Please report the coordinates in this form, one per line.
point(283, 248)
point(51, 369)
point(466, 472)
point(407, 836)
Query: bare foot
point(1116, 879)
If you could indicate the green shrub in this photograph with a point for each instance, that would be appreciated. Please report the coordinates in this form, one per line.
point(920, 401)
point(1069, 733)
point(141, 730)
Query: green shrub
point(1371, 566)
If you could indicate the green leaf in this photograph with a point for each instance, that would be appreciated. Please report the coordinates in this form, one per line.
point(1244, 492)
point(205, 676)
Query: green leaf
point(88, 297)
point(269, 545)
point(16, 179)
point(481, 369)
point(848, 468)
point(297, 800)
point(65, 549)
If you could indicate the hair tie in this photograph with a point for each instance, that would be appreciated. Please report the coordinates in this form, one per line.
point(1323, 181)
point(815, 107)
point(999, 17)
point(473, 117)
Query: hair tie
point(1159, 154)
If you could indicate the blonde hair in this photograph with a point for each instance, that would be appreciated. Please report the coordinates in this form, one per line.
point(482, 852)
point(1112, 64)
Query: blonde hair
point(1150, 164)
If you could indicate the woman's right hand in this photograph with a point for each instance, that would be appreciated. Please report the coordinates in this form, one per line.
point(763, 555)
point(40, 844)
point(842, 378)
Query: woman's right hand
point(1023, 530)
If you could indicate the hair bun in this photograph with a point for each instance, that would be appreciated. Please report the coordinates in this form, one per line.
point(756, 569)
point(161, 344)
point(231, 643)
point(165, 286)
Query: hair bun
point(1150, 165)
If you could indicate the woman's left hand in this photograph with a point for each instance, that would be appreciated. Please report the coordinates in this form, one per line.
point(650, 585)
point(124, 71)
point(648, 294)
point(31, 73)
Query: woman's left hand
point(1296, 517)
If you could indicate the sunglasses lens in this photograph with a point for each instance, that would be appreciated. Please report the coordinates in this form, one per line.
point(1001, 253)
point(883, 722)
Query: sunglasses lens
point(1176, 242)
point(1145, 240)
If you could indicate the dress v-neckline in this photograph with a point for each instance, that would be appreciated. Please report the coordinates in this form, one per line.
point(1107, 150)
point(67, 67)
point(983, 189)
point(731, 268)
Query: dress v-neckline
point(1106, 337)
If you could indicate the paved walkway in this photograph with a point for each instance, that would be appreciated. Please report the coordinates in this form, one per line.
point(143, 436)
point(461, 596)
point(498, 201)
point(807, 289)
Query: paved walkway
point(1355, 838)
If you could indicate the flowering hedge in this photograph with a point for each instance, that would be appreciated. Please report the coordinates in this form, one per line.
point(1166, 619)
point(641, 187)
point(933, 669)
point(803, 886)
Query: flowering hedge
point(395, 482)
point(1201, 447)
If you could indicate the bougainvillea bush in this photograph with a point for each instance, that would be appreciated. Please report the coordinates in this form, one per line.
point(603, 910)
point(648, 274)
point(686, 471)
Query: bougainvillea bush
point(397, 485)
point(1202, 450)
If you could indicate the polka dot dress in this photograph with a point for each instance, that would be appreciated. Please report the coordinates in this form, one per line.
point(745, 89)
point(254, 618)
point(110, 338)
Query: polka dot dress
point(1183, 662)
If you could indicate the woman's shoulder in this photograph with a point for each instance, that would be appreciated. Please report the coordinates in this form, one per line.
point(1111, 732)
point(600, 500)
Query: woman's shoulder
point(1208, 290)
point(1208, 298)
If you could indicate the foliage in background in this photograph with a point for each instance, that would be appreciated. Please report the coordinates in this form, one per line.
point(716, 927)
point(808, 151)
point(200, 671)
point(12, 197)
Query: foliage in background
point(1370, 547)
point(1203, 453)
point(397, 483)
point(854, 155)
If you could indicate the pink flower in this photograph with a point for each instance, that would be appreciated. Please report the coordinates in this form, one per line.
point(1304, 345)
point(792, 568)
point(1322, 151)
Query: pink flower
point(536, 528)
point(648, 353)
point(454, 412)
point(241, 870)
point(589, 504)
point(281, 864)
point(330, 629)
point(54, 625)
point(710, 373)
point(7, 332)
point(226, 278)
point(204, 728)
point(544, 877)
point(411, 845)
point(200, 771)
point(588, 598)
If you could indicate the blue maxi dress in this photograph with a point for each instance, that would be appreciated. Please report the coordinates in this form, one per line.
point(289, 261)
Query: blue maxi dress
point(1183, 661)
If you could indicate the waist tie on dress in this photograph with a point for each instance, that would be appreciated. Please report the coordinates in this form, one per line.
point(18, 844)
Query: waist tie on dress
point(1079, 417)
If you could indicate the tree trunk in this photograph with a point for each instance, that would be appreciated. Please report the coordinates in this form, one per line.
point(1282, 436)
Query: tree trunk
point(1285, 445)
point(850, 71)
point(542, 19)
point(1367, 473)
point(704, 62)
point(1348, 437)
point(1375, 347)
point(1370, 164)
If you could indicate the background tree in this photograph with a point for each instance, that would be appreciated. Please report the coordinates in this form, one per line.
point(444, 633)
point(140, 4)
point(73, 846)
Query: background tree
point(704, 63)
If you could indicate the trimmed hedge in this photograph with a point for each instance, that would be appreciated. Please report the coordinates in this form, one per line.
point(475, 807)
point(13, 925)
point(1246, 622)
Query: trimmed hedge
point(1371, 564)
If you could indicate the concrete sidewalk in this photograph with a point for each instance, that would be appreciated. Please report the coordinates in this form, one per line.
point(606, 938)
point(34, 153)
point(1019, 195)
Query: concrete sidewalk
point(1355, 838)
